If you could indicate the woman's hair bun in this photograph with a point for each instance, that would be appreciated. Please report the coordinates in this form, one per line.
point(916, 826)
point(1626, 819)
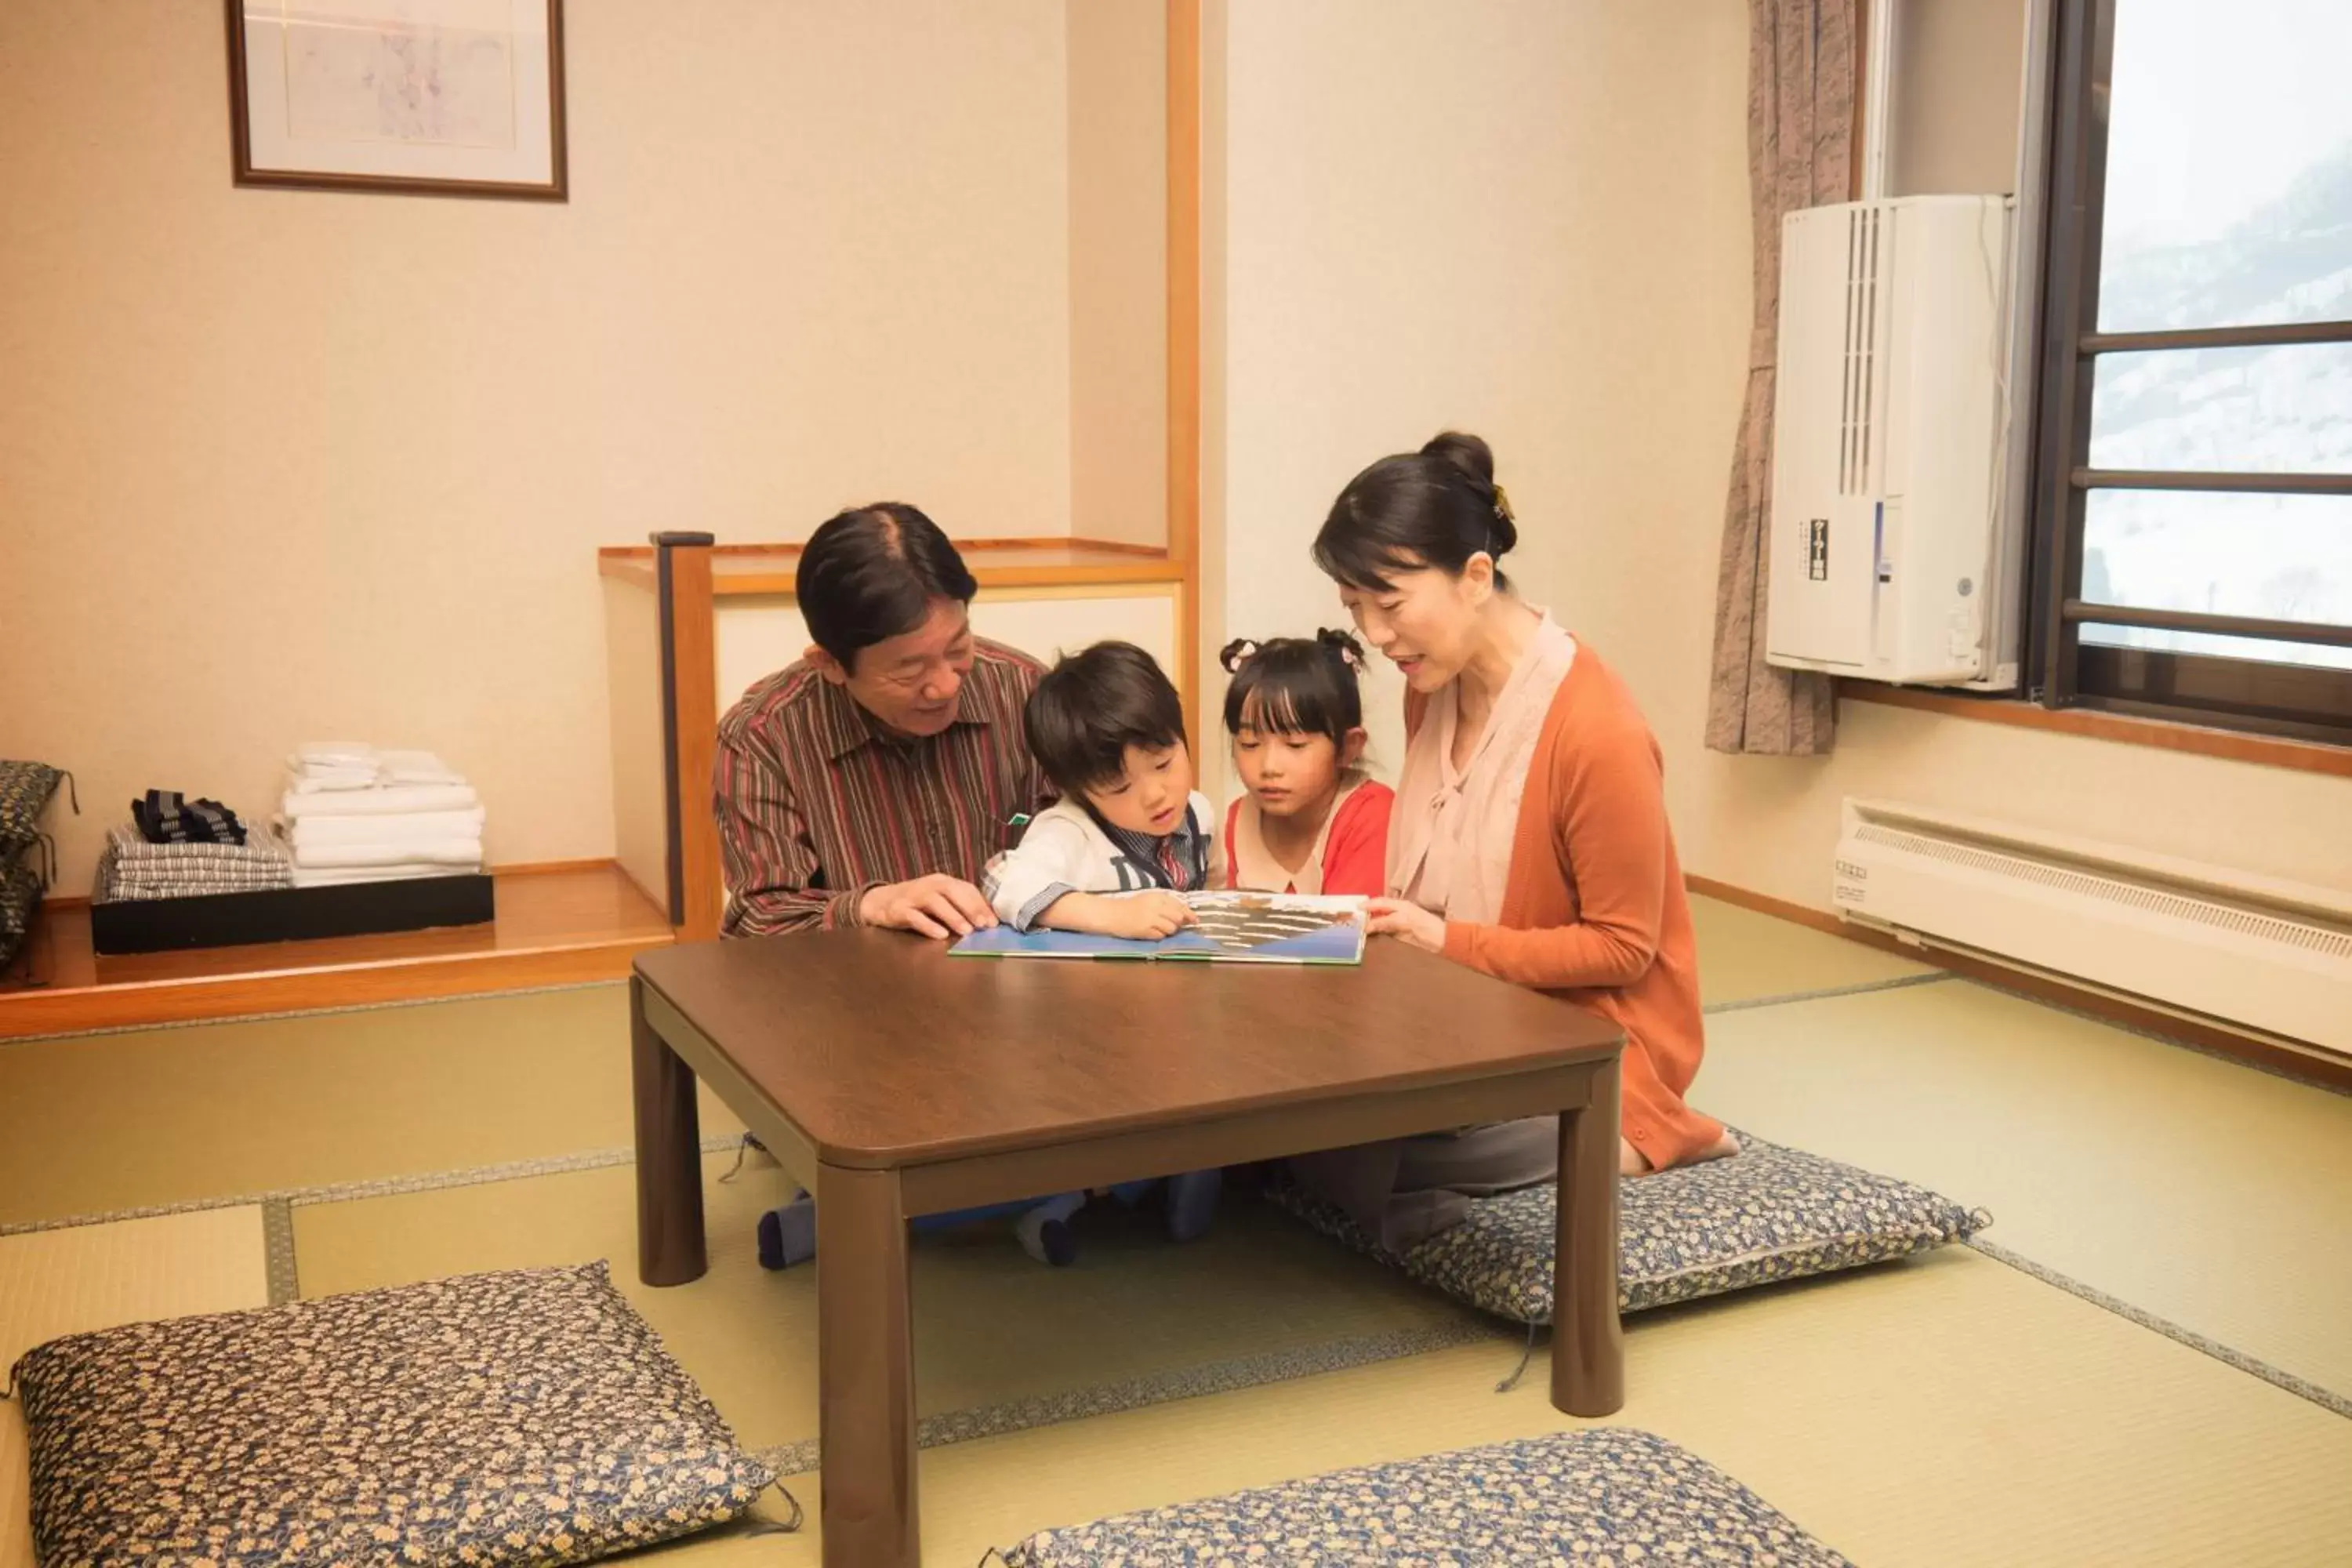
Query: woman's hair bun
point(1466, 452)
point(1235, 653)
point(1475, 460)
point(1436, 508)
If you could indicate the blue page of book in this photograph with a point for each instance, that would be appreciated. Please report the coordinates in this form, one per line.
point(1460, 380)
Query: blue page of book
point(1243, 929)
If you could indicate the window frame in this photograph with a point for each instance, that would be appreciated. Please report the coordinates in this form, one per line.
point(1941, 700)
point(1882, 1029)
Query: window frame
point(2300, 701)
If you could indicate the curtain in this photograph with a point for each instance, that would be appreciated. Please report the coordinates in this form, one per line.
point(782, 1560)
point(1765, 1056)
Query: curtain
point(1801, 87)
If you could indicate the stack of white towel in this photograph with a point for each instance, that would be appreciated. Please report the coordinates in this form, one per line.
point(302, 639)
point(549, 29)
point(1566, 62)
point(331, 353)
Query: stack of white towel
point(352, 813)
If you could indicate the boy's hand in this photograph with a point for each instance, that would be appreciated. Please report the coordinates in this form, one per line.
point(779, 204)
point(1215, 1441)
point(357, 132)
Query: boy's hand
point(1148, 917)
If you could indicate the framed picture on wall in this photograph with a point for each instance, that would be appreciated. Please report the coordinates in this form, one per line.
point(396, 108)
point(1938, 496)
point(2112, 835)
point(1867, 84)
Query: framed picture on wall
point(433, 97)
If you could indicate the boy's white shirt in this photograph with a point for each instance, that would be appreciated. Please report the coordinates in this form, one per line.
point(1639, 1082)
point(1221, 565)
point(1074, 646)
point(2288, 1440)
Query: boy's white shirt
point(1065, 848)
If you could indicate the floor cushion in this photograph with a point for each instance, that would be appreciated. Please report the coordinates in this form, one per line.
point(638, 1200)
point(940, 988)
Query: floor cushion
point(20, 900)
point(1608, 1494)
point(525, 1417)
point(1765, 1213)
point(25, 792)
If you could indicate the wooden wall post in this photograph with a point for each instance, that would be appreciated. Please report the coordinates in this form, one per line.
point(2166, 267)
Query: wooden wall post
point(682, 586)
point(1184, 344)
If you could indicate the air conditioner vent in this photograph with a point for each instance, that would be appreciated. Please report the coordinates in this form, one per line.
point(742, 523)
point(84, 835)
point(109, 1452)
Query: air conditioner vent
point(1861, 349)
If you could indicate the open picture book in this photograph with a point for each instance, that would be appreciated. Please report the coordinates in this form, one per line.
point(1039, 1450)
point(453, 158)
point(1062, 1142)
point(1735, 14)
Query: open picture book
point(1236, 927)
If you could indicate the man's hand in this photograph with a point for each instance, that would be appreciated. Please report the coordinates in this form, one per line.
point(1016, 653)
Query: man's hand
point(1147, 916)
point(936, 905)
point(1407, 921)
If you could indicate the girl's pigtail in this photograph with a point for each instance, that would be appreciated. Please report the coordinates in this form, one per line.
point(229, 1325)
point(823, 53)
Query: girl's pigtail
point(1344, 646)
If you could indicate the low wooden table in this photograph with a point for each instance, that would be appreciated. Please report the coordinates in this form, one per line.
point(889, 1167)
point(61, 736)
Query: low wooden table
point(892, 1079)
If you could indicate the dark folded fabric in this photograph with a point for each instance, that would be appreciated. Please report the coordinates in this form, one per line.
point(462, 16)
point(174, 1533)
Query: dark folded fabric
point(165, 817)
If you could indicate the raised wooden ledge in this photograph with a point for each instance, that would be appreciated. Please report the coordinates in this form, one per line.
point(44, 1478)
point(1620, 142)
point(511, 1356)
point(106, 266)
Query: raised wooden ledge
point(558, 925)
point(2235, 745)
point(2312, 1064)
point(749, 570)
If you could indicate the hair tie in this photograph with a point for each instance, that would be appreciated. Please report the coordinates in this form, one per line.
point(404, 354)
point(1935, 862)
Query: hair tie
point(1350, 656)
point(1502, 504)
point(1238, 652)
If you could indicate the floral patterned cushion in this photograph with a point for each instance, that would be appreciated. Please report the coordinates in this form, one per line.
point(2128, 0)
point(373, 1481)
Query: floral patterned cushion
point(20, 900)
point(528, 1417)
point(25, 791)
point(1765, 1213)
point(1605, 1495)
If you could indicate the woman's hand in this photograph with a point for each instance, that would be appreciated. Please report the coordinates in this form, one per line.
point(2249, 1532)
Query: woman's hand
point(1407, 921)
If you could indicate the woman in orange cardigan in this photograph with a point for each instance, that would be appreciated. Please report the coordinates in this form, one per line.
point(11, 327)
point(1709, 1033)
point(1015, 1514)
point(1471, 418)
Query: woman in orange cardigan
point(1529, 837)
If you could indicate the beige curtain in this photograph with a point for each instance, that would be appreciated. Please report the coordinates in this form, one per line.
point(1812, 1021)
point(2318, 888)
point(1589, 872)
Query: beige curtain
point(1800, 86)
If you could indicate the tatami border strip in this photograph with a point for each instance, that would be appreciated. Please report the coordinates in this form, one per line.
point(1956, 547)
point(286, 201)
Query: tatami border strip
point(277, 1248)
point(1306, 1361)
point(1183, 1383)
point(274, 1014)
point(2278, 1377)
point(1783, 999)
point(380, 1187)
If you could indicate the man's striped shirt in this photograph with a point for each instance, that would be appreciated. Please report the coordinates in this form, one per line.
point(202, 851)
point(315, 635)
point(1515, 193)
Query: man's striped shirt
point(818, 804)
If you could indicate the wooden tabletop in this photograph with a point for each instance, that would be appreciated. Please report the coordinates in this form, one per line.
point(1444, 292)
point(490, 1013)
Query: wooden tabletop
point(884, 1049)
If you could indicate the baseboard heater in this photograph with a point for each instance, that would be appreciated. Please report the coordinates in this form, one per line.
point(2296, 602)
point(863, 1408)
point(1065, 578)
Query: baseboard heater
point(2257, 953)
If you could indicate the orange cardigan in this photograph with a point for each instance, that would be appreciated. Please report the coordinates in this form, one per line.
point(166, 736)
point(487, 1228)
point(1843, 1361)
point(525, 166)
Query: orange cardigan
point(1593, 909)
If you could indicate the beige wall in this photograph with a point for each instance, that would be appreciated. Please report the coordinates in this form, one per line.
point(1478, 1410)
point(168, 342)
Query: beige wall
point(279, 466)
point(1532, 222)
point(1958, 80)
point(1527, 219)
point(1772, 825)
point(1119, 269)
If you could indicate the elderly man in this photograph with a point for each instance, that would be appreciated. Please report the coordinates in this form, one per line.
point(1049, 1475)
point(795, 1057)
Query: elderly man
point(870, 782)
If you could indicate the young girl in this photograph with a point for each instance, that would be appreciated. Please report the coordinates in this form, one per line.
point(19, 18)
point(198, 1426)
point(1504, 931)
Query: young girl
point(1312, 822)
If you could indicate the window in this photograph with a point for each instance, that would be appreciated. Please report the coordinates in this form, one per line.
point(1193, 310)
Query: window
point(2194, 511)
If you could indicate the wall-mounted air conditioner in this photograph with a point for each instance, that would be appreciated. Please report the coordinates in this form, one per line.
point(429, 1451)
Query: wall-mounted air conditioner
point(1889, 558)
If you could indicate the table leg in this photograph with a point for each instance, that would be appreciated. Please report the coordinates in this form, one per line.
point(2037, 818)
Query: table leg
point(1588, 1343)
point(669, 1155)
point(865, 1371)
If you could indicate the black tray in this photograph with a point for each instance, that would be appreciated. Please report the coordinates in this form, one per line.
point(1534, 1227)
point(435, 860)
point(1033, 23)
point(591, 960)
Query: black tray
point(290, 914)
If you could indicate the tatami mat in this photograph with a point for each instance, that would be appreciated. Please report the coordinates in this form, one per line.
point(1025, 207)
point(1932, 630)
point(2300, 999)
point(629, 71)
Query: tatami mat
point(1744, 957)
point(2194, 1188)
point(991, 1326)
point(101, 1123)
point(98, 1276)
point(1949, 1413)
point(1844, 1401)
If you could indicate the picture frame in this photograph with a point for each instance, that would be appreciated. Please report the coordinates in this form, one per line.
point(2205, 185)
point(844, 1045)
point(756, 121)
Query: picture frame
point(455, 98)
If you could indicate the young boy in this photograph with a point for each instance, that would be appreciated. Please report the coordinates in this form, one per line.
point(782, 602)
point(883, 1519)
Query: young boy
point(1107, 730)
point(1127, 834)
